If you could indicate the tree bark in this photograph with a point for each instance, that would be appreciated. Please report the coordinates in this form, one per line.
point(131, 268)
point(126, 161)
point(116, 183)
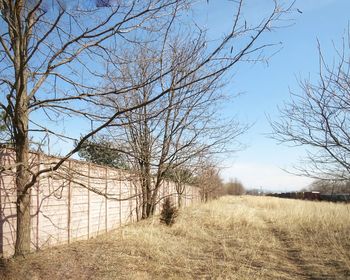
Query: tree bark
point(22, 245)
point(179, 200)
point(146, 190)
point(19, 40)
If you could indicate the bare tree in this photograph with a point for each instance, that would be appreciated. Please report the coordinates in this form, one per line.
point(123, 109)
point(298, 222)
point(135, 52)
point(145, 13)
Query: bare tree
point(55, 55)
point(209, 181)
point(52, 61)
point(234, 187)
point(162, 137)
point(181, 176)
point(318, 118)
point(184, 124)
point(330, 187)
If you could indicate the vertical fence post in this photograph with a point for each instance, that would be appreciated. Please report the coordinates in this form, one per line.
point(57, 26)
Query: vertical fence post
point(130, 200)
point(191, 194)
point(69, 219)
point(184, 195)
point(168, 189)
point(161, 197)
point(120, 199)
point(37, 205)
point(106, 200)
point(88, 225)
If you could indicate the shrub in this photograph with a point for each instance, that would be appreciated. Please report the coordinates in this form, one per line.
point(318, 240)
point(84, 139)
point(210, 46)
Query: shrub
point(169, 212)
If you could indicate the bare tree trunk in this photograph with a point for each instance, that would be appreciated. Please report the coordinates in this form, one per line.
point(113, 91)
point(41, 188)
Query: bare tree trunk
point(20, 124)
point(153, 201)
point(23, 201)
point(138, 198)
point(180, 188)
point(22, 171)
point(179, 200)
point(144, 198)
point(149, 202)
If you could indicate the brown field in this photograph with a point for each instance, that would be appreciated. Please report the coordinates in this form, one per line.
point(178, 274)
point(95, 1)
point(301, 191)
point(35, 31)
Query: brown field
point(231, 238)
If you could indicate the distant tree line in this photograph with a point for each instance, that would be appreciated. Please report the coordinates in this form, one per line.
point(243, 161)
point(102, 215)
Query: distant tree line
point(234, 187)
point(330, 187)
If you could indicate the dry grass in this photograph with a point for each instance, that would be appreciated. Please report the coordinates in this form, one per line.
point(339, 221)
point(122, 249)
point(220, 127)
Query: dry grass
point(232, 238)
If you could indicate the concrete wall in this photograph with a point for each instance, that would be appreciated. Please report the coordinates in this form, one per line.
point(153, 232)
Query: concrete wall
point(68, 205)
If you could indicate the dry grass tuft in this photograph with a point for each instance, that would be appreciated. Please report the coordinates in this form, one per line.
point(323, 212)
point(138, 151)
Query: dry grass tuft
point(231, 238)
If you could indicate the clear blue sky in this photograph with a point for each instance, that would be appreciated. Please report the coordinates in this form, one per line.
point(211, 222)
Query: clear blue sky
point(266, 87)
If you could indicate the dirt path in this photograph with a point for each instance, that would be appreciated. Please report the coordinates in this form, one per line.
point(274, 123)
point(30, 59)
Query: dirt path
point(305, 270)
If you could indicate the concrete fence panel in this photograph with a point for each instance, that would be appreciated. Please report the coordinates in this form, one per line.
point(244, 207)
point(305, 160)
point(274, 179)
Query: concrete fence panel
point(80, 201)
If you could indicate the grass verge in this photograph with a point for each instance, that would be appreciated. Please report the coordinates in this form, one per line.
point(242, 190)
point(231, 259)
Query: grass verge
point(230, 238)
